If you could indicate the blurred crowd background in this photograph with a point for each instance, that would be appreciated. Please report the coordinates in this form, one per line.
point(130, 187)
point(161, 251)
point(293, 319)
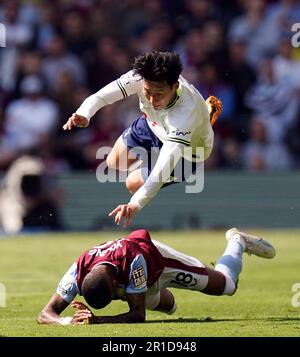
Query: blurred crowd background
point(58, 52)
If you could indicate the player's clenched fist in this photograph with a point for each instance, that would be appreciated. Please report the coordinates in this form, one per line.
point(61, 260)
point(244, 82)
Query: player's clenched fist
point(76, 120)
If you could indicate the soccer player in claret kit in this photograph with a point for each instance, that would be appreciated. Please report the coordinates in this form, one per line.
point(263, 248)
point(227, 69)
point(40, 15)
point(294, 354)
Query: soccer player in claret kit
point(140, 270)
point(175, 116)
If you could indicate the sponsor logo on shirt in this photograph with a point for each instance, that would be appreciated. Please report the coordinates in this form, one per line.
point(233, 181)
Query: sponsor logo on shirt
point(101, 250)
point(138, 277)
point(180, 133)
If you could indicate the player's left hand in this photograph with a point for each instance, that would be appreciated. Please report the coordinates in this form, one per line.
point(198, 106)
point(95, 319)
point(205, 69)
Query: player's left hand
point(127, 212)
point(83, 314)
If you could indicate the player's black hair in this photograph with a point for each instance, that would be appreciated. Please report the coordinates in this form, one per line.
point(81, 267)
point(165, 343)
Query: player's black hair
point(158, 66)
point(97, 289)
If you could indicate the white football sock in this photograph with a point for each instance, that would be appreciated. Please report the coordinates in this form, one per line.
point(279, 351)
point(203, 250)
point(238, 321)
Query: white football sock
point(230, 264)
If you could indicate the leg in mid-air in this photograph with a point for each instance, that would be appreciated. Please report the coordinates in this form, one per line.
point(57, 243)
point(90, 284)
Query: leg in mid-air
point(132, 153)
point(186, 272)
point(230, 263)
point(120, 158)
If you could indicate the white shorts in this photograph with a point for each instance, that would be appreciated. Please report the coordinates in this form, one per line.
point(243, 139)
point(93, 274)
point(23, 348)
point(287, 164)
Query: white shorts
point(181, 271)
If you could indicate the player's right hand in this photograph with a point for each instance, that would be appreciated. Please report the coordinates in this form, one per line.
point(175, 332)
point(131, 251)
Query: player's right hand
point(126, 212)
point(76, 120)
point(83, 314)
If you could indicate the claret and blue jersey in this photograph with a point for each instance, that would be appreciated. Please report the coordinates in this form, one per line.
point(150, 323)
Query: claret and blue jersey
point(137, 261)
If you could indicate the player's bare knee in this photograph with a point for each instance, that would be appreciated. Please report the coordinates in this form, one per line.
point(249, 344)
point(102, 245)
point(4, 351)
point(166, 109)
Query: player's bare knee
point(133, 184)
point(134, 181)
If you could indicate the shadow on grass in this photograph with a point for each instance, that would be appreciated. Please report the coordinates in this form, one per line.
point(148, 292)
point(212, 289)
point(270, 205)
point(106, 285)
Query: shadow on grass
point(283, 318)
point(188, 319)
point(210, 319)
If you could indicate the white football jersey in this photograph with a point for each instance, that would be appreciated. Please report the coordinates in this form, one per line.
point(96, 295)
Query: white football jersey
point(185, 120)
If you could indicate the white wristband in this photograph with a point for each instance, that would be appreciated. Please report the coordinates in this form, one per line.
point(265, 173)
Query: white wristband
point(65, 320)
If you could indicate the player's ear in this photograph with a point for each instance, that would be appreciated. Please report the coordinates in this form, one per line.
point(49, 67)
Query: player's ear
point(176, 85)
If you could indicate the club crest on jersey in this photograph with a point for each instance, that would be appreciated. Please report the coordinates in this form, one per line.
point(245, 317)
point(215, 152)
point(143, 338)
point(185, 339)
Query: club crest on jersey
point(139, 278)
point(180, 133)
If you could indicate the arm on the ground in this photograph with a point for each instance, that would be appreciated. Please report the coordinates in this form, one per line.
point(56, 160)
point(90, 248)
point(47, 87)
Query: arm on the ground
point(136, 313)
point(50, 313)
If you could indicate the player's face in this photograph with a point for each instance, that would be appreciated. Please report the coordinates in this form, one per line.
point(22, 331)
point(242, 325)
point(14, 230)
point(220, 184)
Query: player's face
point(159, 94)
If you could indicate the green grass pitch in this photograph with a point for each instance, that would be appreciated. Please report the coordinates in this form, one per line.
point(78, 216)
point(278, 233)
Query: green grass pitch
point(30, 268)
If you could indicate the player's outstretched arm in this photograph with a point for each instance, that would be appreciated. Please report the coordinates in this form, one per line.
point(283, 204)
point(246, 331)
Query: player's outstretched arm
point(128, 84)
point(135, 314)
point(76, 120)
point(50, 313)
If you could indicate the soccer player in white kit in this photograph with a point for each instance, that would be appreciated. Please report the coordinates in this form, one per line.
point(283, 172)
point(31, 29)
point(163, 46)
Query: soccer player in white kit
point(175, 116)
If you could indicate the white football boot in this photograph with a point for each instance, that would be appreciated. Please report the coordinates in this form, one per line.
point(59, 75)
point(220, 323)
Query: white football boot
point(253, 245)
